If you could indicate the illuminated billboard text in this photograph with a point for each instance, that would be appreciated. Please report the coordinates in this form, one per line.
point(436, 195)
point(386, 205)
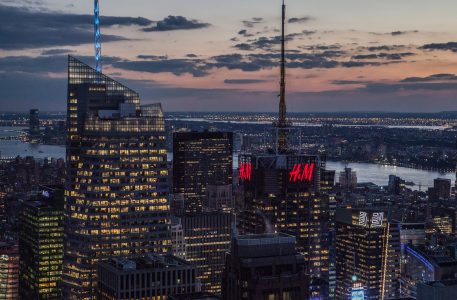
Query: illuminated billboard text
point(245, 171)
point(375, 221)
point(301, 172)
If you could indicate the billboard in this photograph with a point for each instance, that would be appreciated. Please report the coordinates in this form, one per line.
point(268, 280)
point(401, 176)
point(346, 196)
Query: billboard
point(358, 294)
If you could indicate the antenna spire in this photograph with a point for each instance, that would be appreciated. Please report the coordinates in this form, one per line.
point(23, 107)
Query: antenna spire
point(282, 123)
point(98, 46)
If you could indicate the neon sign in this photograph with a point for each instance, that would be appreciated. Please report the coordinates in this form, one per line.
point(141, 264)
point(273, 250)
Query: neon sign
point(246, 171)
point(301, 172)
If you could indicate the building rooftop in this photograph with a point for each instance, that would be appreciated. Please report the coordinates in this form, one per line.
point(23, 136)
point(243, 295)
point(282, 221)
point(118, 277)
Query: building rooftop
point(265, 239)
point(264, 245)
point(149, 261)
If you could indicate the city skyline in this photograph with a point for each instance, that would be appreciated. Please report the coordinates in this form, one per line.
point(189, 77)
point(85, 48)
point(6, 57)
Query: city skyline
point(219, 56)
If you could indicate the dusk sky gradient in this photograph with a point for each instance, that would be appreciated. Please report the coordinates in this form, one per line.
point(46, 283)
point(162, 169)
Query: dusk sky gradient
point(215, 55)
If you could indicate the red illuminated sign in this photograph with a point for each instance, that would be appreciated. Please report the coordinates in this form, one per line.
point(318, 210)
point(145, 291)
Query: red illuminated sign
point(301, 172)
point(245, 171)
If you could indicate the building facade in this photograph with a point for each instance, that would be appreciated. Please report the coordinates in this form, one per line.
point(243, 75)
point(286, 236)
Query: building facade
point(116, 187)
point(41, 248)
point(265, 266)
point(149, 277)
point(367, 254)
point(282, 194)
point(9, 271)
point(207, 237)
point(201, 159)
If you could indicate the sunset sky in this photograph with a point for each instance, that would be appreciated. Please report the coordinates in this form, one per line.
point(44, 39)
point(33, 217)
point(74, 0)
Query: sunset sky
point(220, 55)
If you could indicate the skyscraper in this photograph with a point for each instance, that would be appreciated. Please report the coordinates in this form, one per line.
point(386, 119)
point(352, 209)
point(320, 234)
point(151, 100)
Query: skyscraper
point(41, 247)
point(265, 266)
point(201, 159)
point(367, 254)
point(9, 271)
point(116, 192)
point(207, 237)
point(34, 122)
point(282, 194)
point(281, 190)
point(147, 277)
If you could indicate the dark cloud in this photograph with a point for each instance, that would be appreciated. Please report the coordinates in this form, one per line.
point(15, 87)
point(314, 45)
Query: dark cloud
point(385, 48)
point(239, 62)
point(349, 82)
point(452, 46)
point(300, 20)
point(245, 33)
point(176, 23)
point(243, 81)
point(321, 47)
point(244, 46)
point(175, 66)
point(358, 64)
point(152, 57)
point(398, 32)
point(265, 43)
point(309, 32)
point(399, 87)
point(56, 51)
point(43, 64)
point(434, 77)
point(252, 22)
point(22, 28)
point(389, 56)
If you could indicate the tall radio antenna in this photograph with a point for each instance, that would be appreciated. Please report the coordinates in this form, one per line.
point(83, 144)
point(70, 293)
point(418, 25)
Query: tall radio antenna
point(98, 46)
point(282, 124)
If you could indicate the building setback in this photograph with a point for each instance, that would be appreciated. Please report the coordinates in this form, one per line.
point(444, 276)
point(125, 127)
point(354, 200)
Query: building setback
point(116, 187)
point(149, 277)
point(201, 159)
point(264, 266)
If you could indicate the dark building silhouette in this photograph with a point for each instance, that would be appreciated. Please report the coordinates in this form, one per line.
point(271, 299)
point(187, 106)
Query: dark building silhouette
point(437, 290)
point(147, 277)
point(442, 189)
point(201, 159)
point(116, 187)
point(41, 246)
point(34, 122)
point(264, 266)
point(396, 185)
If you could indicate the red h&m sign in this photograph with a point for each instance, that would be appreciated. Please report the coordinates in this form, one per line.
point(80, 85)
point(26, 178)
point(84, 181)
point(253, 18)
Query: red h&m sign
point(301, 172)
point(245, 171)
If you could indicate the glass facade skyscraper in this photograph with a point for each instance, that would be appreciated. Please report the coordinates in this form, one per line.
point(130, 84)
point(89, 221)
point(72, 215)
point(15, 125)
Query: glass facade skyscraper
point(367, 254)
point(41, 249)
point(201, 159)
point(116, 191)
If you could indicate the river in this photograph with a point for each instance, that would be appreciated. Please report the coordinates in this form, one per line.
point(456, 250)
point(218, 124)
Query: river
point(366, 172)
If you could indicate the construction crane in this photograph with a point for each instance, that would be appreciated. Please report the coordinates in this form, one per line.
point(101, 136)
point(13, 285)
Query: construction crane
point(98, 46)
